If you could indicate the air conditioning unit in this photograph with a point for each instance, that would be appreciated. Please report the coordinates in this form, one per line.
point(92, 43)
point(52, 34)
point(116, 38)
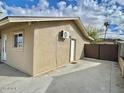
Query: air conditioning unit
point(64, 34)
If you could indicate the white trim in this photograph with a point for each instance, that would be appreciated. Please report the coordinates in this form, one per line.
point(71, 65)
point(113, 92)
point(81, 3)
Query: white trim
point(72, 50)
point(17, 33)
point(3, 51)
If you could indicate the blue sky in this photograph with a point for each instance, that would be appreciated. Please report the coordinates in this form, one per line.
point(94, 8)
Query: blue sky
point(24, 3)
point(91, 12)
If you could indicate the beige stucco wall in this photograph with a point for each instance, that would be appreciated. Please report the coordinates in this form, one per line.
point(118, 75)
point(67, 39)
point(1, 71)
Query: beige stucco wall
point(21, 59)
point(0, 45)
point(49, 51)
point(43, 50)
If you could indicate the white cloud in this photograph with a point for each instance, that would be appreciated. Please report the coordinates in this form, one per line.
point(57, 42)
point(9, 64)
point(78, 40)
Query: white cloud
point(115, 35)
point(62, 5)
point(2, 10)
point(93, 16)
point(43, 4)
point(88, 10)
point(120, 1)
point(16, 10)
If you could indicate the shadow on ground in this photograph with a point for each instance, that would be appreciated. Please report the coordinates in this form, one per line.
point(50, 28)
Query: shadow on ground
point(87, 76)
point(99, 79)
point(6, 70)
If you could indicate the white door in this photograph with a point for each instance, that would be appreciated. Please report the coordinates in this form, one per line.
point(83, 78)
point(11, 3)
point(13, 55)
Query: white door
point(3, 54)
point(72, 50)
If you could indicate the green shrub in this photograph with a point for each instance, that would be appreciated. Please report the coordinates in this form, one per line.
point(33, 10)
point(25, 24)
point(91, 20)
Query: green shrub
point(94, 33)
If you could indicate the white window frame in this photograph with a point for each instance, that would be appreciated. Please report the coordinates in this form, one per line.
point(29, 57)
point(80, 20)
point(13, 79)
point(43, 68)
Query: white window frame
point(18, 45)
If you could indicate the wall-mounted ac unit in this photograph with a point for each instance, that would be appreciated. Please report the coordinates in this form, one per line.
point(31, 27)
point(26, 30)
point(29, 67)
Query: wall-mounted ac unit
point(64, 34)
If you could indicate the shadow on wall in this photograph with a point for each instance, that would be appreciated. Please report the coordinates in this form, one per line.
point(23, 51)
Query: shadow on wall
point(82, 54)
point(6, 70)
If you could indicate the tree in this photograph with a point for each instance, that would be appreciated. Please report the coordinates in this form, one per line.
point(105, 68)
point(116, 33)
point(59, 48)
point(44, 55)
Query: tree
point(106, 24)
point(93, 32)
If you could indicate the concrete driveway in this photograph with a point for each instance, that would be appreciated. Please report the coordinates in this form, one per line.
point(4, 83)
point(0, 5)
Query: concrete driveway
point(87, 76)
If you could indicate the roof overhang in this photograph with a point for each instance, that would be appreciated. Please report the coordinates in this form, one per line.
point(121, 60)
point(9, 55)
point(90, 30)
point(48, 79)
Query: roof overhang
point(20, 19)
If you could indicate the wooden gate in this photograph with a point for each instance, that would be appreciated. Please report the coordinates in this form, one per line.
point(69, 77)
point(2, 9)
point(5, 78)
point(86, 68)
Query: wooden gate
point(101, 51)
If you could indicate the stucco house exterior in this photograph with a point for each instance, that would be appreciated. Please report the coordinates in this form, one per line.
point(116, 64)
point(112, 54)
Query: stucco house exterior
point(36, 45)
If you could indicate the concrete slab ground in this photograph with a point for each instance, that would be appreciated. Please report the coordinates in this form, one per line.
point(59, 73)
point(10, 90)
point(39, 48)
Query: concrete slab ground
point(87, 76)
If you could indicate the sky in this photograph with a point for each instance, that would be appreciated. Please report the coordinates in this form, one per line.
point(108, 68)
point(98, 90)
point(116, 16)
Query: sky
point(91, 12)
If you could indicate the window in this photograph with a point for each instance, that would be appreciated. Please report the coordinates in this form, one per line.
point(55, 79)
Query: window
point(18, 40)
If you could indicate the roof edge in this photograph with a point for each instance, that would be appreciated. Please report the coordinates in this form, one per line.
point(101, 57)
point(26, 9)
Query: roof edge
point(12, 19)
point(83, 29)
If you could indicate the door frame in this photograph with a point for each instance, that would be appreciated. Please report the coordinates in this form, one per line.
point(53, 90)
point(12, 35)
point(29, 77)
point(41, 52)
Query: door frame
point(3, 48)
point(74, 50)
